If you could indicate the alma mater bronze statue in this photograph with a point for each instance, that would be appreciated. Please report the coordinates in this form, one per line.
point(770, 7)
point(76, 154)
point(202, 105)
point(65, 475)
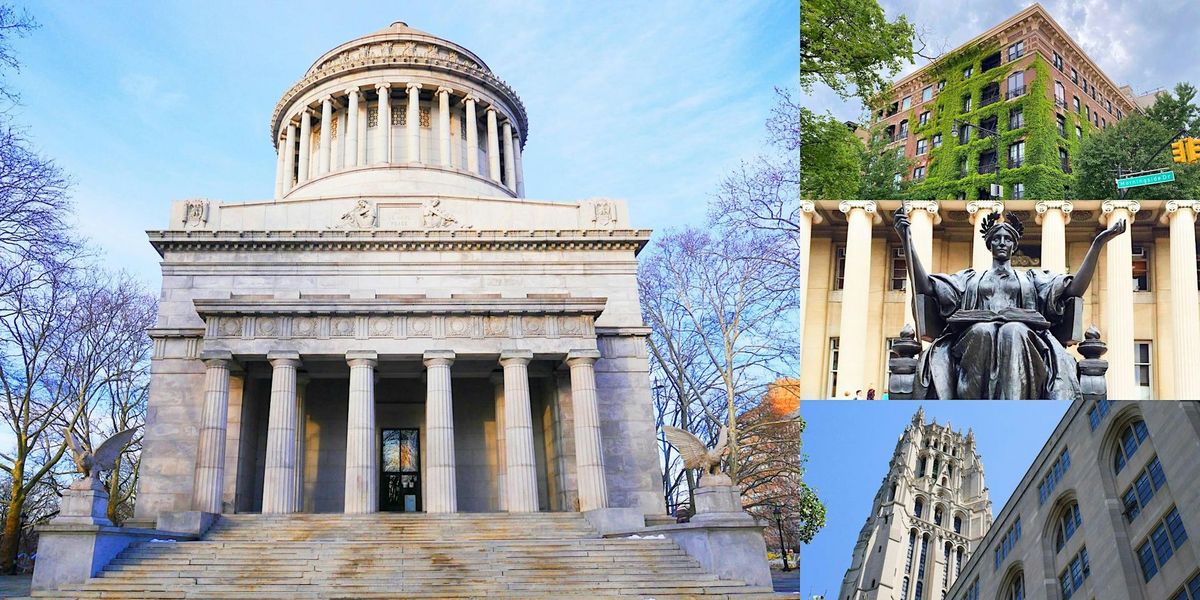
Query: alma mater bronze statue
point(996, 336)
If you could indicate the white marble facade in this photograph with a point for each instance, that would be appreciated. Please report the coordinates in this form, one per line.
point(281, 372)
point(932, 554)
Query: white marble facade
point(410, 289)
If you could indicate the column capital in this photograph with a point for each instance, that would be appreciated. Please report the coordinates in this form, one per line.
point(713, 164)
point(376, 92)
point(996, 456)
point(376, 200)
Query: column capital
point(327, 99)
point(1175, 208)
point(283, 358)
point(362, 358)
point(975, 209)
point(1110, 206)
point(582, 357)
point(351, 91)
point(380, 87)
point(1062, 205)
point(929, 206)
point(472, 98)
point(515, 357)
point(444, 90)
point(438, 358)
point(490, 109)
point(412, 85)
point(810, 207)
point(868, 206)
point(216, 357)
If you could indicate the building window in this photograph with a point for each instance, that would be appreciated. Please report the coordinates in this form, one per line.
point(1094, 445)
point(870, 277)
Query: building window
point(922, 146)
point(1016, 155)
point(1078, 132)
point(937, 515)
point(1060, 94)
point(923, 118)
point(1131, 438)
point(1098, 412)
point(1074, 77)
point(399, 116)
point(1018, 191)
point(1064, 160)
point(1141, 269)
point(833, 366)
point(900, 153)
point(957, 524)
point(1108, 105)
point(1141, 369)
point(927, 93)
point(1015, 588)
point(1050, 481)
point(895, 106)
point(941, 85)
point(1016, 84)
point(1119, 115)
point(1164, 540)
point(937, 143)
point(906, 103)
point(1072, 578)
point(1141, 491)
point(1016, 51)
point(1103, 123)
point(918, 507)
point(1068, 524)
point(1076, 103)
point(372, 117)
point(903, 129)
point(918, 173)
point(1016, 119)
point(1190, 592)
point(964, 133)
point(1084, 86)
point(839, 267)
point(897, 178)
point(1058, 62)
point(1010, 541)
point(1087, 112)
point(967, 72)
point(966, 103)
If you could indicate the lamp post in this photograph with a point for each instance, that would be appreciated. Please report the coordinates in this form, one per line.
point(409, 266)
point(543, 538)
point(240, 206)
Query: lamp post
point(782, 547)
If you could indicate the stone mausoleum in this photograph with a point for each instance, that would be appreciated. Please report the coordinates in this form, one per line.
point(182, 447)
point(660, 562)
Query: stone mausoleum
point(399, 328)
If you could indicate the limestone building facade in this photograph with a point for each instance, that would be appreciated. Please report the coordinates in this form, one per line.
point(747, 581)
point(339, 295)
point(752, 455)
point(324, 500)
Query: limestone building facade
point(855, 296)
point(926, 520)
point(399, 328)
point(1108, 509)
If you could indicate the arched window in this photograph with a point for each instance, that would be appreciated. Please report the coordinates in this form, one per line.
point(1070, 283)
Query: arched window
point(958, 554)
point(957, 524)
point(1068, 523)
point(1131, 437)
point(935, 467)
point(937, 515)
point(921, 467)
point(918, 508)
point(904, 588)
point(892, 494)
point(946, 571)
point(912, 541)
point(1015, 588)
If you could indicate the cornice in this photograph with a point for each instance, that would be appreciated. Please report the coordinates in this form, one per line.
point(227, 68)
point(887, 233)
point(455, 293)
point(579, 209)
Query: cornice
point(399, 305)
point(543, 239)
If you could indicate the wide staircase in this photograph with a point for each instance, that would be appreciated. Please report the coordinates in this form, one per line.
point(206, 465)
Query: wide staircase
point(388, 555)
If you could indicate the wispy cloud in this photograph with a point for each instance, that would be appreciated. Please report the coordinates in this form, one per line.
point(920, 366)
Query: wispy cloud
point(148, 91)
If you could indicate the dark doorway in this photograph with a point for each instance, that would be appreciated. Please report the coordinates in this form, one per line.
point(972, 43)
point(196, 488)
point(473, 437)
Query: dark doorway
point(400, 488)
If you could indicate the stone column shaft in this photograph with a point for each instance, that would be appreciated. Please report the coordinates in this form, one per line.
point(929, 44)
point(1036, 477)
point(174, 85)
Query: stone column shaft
point(497, 380)
point(493, 148)
point(443, 95)
point(520, 169)
point(981, 257)
point(323, 151)
point(855, 291)
point(383, 126)
point(472, 136)
point(807, 216)
point(413, 129)
point(279, 482)
point(351, 134)
point(289, 158)
point(510, 164)
point(441, 493)
point(1054, 216)
point(305, 146)
point(210, 460)
point(281, 169)
point(362, 461)
point(923, 215)
point(518, 436)
point(589, 449)
point(1185, 301)
point(1118, 307)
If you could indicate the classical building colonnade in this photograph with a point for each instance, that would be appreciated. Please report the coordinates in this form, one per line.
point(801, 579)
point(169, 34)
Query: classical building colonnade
point(282, 480)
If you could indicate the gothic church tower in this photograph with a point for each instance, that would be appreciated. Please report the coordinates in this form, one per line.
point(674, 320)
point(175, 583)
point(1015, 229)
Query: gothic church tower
point(929, 514)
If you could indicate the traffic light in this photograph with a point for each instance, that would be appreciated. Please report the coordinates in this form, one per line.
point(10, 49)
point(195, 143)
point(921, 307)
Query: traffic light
point(1193, 147)
point(1179, 151)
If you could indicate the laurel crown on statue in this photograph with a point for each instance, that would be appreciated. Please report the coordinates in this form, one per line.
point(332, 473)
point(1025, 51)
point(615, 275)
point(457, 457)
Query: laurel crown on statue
point(993, 221)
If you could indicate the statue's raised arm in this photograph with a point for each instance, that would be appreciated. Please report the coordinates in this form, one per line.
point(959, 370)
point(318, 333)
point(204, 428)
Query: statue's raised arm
point(1083, 277)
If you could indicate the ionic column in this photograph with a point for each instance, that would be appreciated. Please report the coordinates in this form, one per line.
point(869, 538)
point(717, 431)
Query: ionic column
point(981, 257)
point(362, 464)
point(520, 169)
point(289, 158)
point(1053, 216)
point(280, 169)
point(441, 494)
point(857, 286)
point(493, 148)
point(413, 129)
point(518, 435)
point(1118, 306)
point(326, 135)
point(497, 380)
point(383, 126)
point(351, 133)
point(443, 95)
point(472, 135)
point(305, 146)
point(510, 165)
point(362, 132)
point(808, 216)
point(922, 215)
point(210, 460)
point(589, 451)
point(279, 481)
point(1185, 303)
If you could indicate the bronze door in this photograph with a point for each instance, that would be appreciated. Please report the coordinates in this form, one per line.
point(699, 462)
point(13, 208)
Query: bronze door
point(400, 470)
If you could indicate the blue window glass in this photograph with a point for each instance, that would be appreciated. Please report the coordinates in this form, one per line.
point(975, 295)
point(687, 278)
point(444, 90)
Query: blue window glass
point(1175, 526)
point(1144, 490)
point(1129, 443)
point(1156, 473)
point(1094, 418)
point(1077, 573)
point(1132, 508)
point(1194, 587)
point(1162, 544)
point(1066, 585)
point(1139, 428)
point(1087, 568)
point(1146, 557)
point(1119, 461)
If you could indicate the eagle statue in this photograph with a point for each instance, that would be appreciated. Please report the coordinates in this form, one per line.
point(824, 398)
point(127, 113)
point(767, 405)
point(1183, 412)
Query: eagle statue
point(697, 456)
point(105, 456)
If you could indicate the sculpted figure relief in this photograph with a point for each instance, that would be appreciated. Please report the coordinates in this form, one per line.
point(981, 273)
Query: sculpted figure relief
point(997, 342)
point(361, 216)
point(435, 217)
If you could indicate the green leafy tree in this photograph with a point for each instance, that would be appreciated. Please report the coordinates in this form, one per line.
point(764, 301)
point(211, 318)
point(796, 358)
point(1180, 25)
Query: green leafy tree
point(829, 158)
point(1178, 111)
point(1134, 143)
point(879, 166)
point(850, 43)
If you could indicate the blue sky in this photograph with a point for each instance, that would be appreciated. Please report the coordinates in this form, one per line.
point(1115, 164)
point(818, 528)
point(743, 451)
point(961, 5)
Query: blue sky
point(147, 102)
point(850, 443)
point(1135, 42)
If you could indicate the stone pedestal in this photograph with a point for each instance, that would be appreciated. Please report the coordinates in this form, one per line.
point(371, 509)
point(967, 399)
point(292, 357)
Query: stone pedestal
point(84, 503)
point(720, 503)
point(70, 553)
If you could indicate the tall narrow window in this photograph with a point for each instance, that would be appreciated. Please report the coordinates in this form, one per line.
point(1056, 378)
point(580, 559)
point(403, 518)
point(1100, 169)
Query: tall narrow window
point(1074, 76)
point(1062, 126)
point(1064, 160)
point(904, 129)
point(918, 173)
point(1075, 99)
point(906, 103)
point(1016, 84)
point(1058, 61)
point(1141, 269)
point(1016, 119)
point(899, 268)
point(918, 506)
point(1016, 51)
point(1060, 94)
point(1016, 154)
point(1141, 369)
point(1018, 191)
point(927, 93)
point(966, 103)
point(839, 266)
point(923, 118)
point(833, 366)
point(937, 140)
point(922, 147)
point(1131, 438)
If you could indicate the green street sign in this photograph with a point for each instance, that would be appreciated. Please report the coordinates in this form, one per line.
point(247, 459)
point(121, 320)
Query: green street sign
point(1150, 179)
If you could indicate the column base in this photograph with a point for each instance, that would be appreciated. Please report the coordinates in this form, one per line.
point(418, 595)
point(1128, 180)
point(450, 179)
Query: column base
point(609, 520)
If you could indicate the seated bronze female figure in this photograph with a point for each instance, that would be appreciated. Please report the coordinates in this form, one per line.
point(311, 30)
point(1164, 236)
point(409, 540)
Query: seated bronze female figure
point(997, 342)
